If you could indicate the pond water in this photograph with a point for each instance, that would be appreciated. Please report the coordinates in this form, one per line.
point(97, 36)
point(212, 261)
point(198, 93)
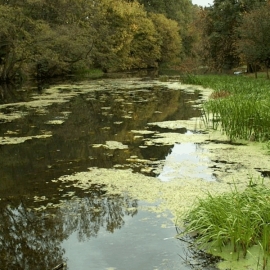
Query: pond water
point(65, 129)
point(184, 159)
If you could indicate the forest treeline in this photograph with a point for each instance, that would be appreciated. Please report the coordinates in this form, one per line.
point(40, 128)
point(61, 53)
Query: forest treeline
point(47, 38)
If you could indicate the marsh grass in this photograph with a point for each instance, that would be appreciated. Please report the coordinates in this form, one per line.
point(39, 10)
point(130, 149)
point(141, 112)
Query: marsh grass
point(237, 219)
point(268, 146)
point(220, 94)
point(239, 105)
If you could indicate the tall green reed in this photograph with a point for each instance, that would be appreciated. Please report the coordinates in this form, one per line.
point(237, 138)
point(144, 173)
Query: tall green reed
point(240, 105)
point(240, 116)
point(238, 219)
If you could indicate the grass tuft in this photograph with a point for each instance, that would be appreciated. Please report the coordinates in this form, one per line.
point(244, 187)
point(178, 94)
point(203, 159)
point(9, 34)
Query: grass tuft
point(237, 219)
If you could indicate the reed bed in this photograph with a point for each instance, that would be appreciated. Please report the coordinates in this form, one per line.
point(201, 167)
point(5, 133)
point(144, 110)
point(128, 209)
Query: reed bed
point(239, 105)
point(237, 219)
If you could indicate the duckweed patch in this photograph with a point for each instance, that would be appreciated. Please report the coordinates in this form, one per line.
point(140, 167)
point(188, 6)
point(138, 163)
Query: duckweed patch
point(17, 140)
point(176, 196)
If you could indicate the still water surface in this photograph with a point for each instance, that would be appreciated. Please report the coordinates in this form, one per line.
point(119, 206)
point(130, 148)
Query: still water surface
point(68, 128)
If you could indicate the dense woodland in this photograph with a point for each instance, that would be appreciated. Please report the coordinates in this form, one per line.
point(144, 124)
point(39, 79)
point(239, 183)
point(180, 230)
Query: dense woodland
point(48, 38)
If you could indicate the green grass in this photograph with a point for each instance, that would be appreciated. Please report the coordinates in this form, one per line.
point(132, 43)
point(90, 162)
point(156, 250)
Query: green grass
point(237, 219)
point(244, 112)
point(268, 146)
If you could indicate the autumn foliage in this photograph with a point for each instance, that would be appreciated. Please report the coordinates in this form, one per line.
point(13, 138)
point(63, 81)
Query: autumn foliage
point(45, 38)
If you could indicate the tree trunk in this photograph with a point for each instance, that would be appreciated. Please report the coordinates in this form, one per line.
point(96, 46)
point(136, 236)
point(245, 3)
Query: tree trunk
point(256, 73)
point(267, 70)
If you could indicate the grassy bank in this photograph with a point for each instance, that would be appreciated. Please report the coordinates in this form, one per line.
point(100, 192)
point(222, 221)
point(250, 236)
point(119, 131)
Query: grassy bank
point(235, 225)
point(239, 105)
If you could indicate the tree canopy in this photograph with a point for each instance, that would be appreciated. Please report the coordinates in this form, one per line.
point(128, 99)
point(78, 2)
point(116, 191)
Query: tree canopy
point(254, 33)
point(46, 38)
point(221, 22)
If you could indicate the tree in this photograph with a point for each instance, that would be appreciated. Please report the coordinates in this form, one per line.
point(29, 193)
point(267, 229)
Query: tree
point(61, 50)
point(179, 11)
point(169, 38)
point(155, 6)
point(48, 38)
point(15, 40)
point(197, 56)
point(254, 34)
point(222, 20)
point(125, 37)
point(45, 38)
point(145, 46)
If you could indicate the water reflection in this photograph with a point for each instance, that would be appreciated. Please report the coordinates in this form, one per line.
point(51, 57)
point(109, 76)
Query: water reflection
point(38, 215)
point(9, 94)
point(141, 244)
point(89, 118)
point(33, 239)
point(28, 240)
point(187, 161)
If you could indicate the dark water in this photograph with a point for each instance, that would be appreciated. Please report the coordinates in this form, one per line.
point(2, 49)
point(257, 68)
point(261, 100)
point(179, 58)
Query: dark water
point(84, 229)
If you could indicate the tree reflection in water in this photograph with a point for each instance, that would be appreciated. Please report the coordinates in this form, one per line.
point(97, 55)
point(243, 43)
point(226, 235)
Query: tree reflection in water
point(32, 239)
point(29, 240)
point(88, 215)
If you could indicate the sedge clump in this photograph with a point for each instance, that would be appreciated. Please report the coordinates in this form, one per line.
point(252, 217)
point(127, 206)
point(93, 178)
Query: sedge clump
point(236, 219)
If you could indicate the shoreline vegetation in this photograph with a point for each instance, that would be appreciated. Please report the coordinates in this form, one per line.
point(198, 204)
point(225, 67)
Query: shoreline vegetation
point(234, 225)
point(45, 39)
point(239, 105)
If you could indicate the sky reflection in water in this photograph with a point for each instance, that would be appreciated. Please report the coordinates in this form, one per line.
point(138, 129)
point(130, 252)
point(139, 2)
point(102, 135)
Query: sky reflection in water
point(186, 160)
